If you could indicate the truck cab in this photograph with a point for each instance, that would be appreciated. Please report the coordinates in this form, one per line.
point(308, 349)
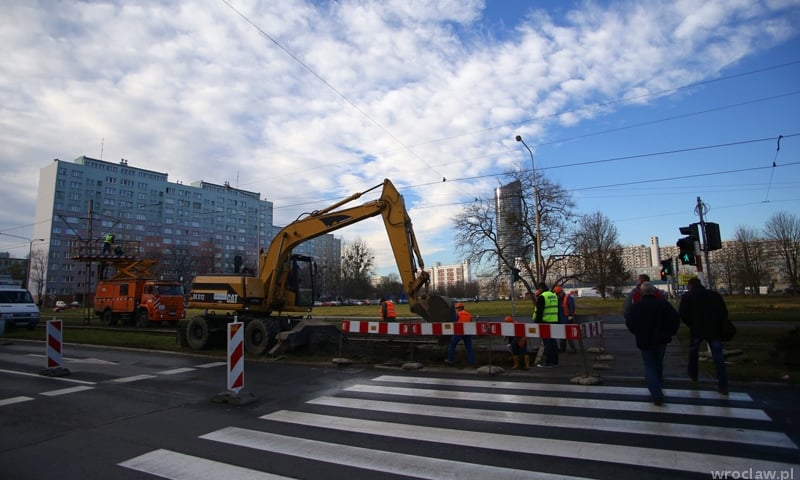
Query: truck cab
point(139, 301)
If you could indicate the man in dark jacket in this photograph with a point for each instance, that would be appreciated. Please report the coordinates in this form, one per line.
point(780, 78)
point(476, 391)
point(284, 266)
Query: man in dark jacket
point(704, 312)
point(653, 321)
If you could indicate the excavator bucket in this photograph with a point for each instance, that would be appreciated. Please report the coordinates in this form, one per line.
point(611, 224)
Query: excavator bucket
point(436, 308)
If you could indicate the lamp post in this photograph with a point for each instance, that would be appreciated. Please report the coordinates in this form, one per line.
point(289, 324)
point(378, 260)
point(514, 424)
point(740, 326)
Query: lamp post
point(538, 245)
point(30, 254)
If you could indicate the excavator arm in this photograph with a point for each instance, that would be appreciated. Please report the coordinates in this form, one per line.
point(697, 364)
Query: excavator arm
point(274, 264)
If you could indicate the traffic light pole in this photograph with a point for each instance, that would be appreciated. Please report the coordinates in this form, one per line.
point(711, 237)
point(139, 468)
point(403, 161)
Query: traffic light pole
point(700, 210)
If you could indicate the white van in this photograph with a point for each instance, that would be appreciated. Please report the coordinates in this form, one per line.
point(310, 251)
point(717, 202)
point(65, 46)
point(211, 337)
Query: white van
point(17, 307)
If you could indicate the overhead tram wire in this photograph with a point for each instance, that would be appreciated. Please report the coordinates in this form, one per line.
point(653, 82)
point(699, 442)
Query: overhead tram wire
point(613, 159)
point(331, 87)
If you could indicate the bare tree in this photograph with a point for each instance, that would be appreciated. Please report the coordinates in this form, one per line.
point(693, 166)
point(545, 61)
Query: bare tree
point(477, 229)
point(784, 229)
point(38, 273)
point(357, 263)
point(726, 266)
point(751, 259)
point(596, 241)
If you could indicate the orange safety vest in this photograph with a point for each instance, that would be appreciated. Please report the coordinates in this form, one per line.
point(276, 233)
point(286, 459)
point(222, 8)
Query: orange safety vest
point(390, 313)
point(464, 316)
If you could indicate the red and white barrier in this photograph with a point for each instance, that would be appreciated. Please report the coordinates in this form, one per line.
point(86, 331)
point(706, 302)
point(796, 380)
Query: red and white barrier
point(53, 348)
point(235, 356)
point(495, 329)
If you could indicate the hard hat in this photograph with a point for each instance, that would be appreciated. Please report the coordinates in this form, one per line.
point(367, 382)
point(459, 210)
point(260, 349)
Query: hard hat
point(557, 289)
point(459, 305)
point(509, 319)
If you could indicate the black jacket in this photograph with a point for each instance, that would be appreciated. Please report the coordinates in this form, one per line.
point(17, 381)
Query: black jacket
point(703, 311)
point(653, 321)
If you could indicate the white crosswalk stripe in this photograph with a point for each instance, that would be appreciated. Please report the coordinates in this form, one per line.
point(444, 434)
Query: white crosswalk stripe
point(374, 426)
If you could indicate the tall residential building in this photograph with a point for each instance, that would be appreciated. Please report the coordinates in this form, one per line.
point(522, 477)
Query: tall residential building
point(508, 210)
point(188, 229)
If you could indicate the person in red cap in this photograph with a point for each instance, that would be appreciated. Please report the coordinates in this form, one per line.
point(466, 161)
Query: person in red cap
point(518, 346)
point(463, 317)
point(566, 315)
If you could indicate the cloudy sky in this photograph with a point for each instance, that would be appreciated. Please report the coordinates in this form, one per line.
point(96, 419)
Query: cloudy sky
point(636, 107)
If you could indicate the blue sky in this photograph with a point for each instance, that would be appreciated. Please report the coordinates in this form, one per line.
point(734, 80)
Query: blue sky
point(308, 102)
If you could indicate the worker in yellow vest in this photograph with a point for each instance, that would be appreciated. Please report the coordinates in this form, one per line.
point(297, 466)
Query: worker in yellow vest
point(546, 311)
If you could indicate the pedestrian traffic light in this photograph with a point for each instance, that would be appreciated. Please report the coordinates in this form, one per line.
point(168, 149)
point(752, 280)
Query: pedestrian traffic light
point(686, 250)
point(515, 275)
point(666, 268)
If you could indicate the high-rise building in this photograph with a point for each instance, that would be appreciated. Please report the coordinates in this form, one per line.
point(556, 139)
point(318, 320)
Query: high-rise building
point(508, 210)
point(188, 229)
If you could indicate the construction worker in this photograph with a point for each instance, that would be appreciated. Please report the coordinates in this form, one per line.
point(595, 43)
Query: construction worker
point(463, 317)
point(518, 346)
point(566, 315)
point(546, 311)
point(387, 310)
point(108, 239)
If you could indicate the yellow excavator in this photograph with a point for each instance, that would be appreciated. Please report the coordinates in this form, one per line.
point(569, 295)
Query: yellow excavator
point(282, 293)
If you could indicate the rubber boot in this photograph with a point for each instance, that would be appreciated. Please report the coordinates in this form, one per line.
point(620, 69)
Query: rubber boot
point(516, 362)
point(527, 361)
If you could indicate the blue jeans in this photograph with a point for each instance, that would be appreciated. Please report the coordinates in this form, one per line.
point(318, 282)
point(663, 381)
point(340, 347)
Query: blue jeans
point(550, 351)
point(716, 354)
point(451, 351)
point(654, 370)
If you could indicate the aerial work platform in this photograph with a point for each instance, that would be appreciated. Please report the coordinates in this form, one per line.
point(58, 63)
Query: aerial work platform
point(123, 257)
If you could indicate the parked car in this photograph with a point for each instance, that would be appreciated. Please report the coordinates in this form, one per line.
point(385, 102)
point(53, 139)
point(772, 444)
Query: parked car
point(60, 305)
point(75, 304)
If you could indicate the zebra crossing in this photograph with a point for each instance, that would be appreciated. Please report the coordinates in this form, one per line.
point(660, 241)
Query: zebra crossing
point(439, 428)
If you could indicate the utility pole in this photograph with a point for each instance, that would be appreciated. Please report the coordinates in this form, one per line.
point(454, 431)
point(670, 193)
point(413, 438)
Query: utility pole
point(700, 210)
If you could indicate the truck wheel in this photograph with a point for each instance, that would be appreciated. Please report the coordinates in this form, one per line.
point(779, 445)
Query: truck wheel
point(109, 318)
point(142, 320)
point(197, 333)
point(258, 337)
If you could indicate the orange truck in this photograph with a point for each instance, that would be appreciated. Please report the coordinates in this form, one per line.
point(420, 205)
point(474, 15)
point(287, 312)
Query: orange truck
point(139, 301)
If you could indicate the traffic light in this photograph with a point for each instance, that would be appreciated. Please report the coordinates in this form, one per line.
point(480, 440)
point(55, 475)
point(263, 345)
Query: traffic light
point(692, 230)
point(713, 239)
point(666, 268)
point(515, 275)
point(686, 247)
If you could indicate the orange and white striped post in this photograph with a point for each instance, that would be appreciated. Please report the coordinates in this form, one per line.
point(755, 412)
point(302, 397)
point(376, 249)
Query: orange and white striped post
point(235, 356)
point(53, 348)
point(54, 360)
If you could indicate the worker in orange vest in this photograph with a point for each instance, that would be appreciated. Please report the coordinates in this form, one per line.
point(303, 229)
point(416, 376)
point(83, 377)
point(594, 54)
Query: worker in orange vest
point(387, 310)
point(463, 317)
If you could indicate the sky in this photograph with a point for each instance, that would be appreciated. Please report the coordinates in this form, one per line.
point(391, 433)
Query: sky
point(637, 108)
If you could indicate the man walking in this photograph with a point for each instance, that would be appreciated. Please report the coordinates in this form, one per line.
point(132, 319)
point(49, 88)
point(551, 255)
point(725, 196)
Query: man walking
point(653, 321)
point(704, 312)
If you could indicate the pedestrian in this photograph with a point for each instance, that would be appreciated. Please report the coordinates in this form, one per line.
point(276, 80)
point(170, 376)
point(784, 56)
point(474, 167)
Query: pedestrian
point(653, 321)
point(108, 239)
point(566, 315)
point(463, 317)
point(546, 311)
point(518, 346)
point(704, 312)
point(635, 294)
point(388, 313)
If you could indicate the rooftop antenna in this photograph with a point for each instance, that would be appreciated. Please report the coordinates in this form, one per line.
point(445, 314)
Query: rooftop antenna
point(102, 141)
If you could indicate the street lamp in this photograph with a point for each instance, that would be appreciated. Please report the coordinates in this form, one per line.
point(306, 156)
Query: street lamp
point(538, 245)
point(30, 254)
